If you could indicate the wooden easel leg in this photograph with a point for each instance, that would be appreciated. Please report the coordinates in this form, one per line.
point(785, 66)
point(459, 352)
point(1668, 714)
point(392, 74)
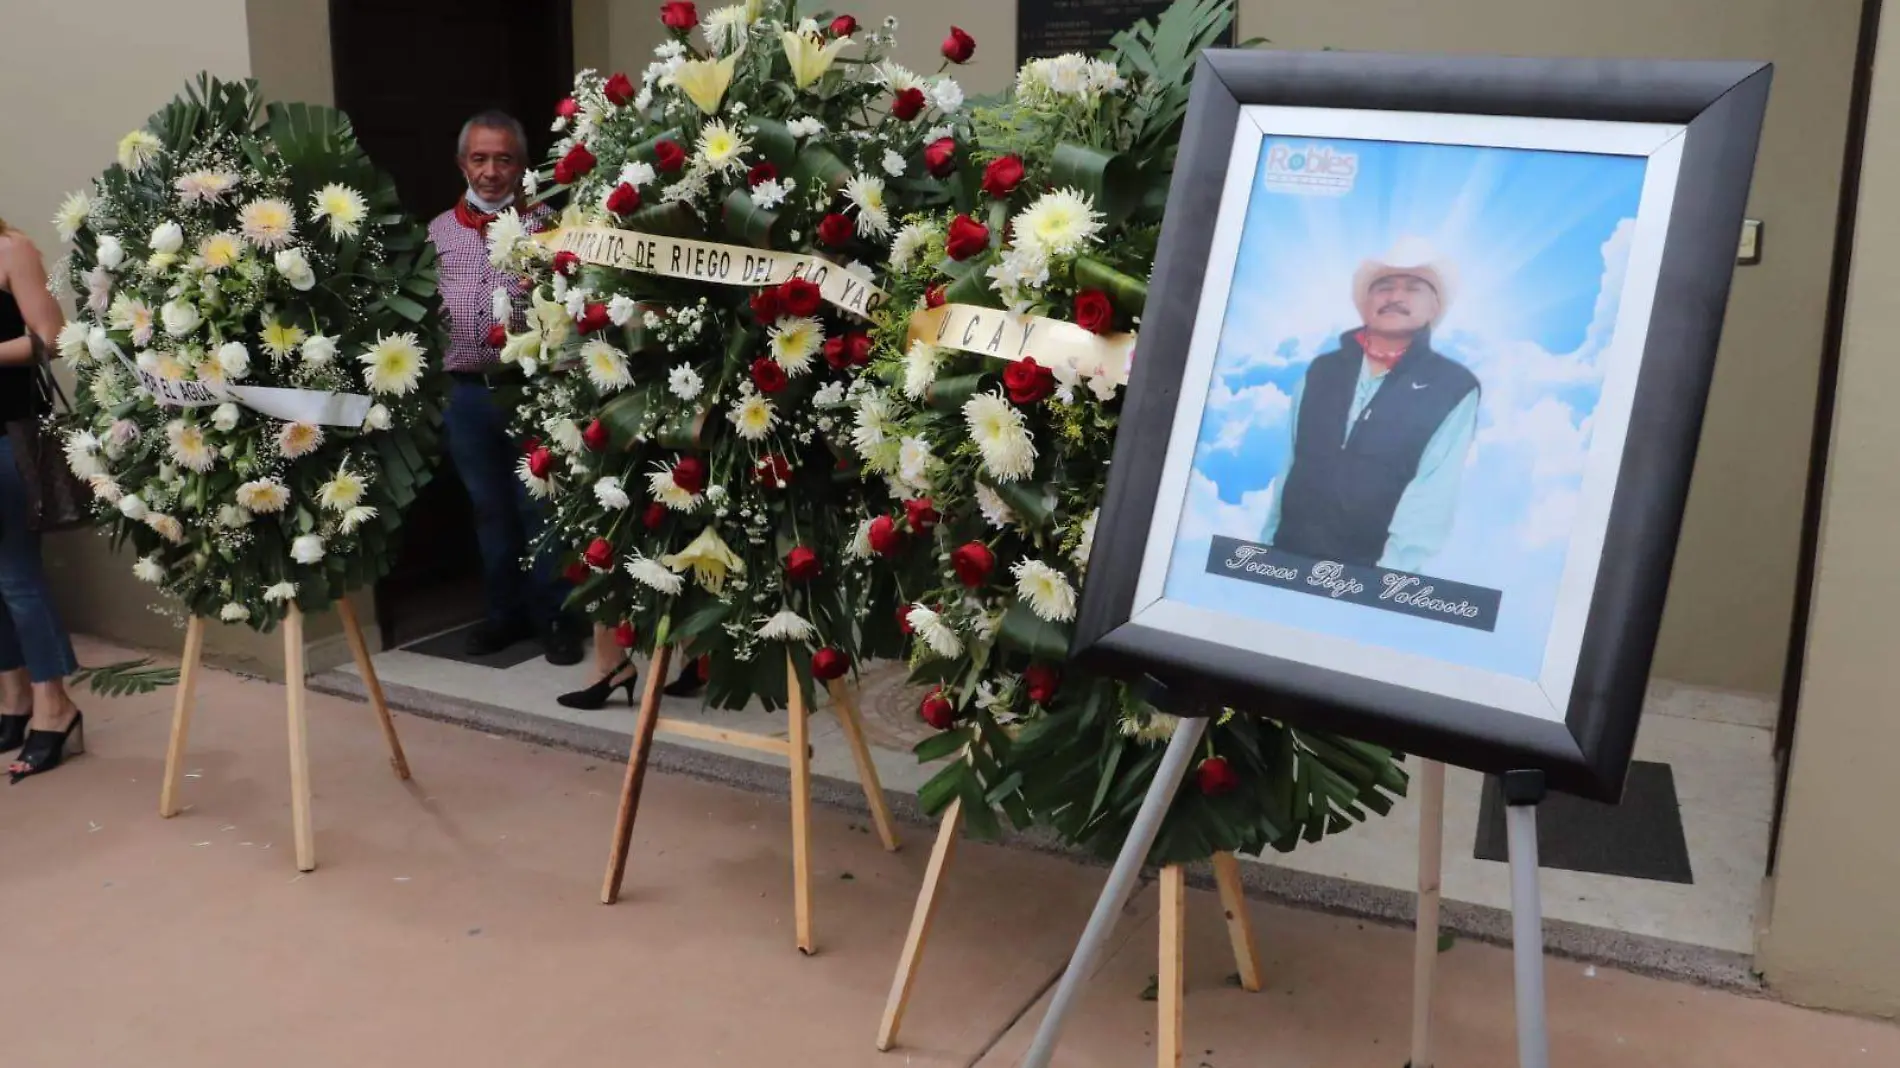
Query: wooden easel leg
point(1431, 831)
point(844, 704)
point(1233, 902)
point(920, 919)
point(299, 742)
point(359, 648)
point(642, 748)
point(1173, 978)
point(181, 716)
point(801, 807)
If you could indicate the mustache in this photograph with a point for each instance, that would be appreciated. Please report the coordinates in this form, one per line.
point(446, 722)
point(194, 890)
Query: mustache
point(1395, 305)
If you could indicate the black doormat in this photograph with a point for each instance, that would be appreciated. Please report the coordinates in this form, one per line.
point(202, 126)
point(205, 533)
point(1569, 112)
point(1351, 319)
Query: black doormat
point(449, 645)
point(1641, 838)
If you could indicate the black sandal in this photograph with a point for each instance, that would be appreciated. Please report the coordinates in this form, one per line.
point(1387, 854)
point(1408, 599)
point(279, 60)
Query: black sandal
point(13, 731)
point(45, 750)
point(595, 696)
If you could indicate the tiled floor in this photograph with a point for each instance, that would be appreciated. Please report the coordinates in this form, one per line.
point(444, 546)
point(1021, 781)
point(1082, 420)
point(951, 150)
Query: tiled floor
point(1718, 745)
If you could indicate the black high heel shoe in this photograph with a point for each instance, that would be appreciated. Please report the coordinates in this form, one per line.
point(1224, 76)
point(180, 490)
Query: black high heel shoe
point(13, 731)
point(595, 696)
point(45, 750)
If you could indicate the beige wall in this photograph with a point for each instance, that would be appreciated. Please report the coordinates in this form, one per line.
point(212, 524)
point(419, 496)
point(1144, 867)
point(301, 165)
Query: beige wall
point(1833, 935)
point(290, 49)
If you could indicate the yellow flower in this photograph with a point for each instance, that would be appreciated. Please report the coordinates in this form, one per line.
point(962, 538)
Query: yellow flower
point(393, 364)
point(705, 81)
point(298, 439)
point(794, 341)
point(342, 206)
point(343, 492)
point(280, 340)
point(753, 417)
point(220, 250)
point(138, 148)
point(721, 146)
point(606, 366)
point(263, 496)
point(709, 558)
point(267, 223)
point(810, 55)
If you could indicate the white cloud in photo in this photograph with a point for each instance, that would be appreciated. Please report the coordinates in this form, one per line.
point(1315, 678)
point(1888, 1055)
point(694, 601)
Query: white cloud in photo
point(1549, 519)
point(1242, 411)
point(1206, 515)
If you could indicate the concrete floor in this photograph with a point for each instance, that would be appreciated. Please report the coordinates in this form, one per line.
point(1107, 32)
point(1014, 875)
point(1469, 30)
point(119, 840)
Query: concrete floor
point(454, 921)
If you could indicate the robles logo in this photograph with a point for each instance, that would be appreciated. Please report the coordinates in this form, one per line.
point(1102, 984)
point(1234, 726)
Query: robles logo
point(1311, 170)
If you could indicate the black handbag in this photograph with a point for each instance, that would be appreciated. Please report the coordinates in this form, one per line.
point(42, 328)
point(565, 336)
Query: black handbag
point(56, 499)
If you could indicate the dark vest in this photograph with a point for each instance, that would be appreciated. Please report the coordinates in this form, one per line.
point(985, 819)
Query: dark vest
point(1338, 500)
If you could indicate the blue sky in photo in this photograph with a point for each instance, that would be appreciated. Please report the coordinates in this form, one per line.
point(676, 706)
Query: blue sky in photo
point(1539, 241)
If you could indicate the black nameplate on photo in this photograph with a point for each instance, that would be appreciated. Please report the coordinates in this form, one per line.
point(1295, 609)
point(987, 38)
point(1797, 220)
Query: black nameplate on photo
point(1046, 28)
point(1438, 599)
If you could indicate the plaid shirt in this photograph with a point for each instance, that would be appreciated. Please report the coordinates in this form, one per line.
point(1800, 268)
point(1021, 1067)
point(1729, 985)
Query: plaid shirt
point(468, 283)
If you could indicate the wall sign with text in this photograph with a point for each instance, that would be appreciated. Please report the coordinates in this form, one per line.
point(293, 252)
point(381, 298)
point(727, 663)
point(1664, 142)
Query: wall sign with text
point(1046, 28)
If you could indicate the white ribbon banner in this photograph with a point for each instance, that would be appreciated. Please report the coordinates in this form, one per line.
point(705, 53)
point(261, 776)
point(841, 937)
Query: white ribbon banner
point(1051, 342)
point(708, 261)
point(317, 406)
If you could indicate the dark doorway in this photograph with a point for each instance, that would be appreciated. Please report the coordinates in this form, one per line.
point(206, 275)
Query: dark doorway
point(408, 74)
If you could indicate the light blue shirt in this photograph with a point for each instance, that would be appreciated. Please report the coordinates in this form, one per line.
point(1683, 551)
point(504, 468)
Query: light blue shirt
point(1423, 518)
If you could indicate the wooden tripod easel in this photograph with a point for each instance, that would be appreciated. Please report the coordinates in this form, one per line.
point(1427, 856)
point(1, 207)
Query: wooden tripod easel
point(294, 699)
point(1171, 977)
point(796, 749)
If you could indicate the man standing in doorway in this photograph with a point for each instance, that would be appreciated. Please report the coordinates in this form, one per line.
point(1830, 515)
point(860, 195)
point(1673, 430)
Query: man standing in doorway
point(493, 154)
point(1381, 427)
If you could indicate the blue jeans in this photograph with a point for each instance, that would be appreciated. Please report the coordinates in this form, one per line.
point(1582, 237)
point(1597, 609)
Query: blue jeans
point(31, 634)
point(507, 519)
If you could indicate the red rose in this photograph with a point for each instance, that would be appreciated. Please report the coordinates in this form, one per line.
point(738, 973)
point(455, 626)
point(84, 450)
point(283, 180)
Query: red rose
point(1041, 680)
point(829, 663)
point(689, 474)
point(801, 564)
point(624, 200)
point(774, 471)
point(497, 335)
point(937, 711)
point(765, 305)
point(760, 174)
point(959, 46)
point(596, 437)
point(768, 375)
point(600, 554)
point(566, 262)
point(799, 297)
point(703, 667)
point(835, 230)
point(921, 512)
point(568, 107)
point(1002, 176)
point(574, 166)
point(1093, 312)
point(935, 296)
point(844, 26)
point(625, 635)
point(967, 238)
point(940, 156)
point(575, 572)
point(973, 563)
point(668, 156)
point(859, 347)
point(903, 620)
point(835, 353)
point(654, 515)
point(1216, 777)
point(540, 462)
point(885, 538)
point(619, 90)
point(679, 15)
point(908, 103)
point(593, 318)
point(1028, 381)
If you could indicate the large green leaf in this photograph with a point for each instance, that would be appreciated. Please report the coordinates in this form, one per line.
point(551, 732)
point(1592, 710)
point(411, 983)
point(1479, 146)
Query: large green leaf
point(1022, 629)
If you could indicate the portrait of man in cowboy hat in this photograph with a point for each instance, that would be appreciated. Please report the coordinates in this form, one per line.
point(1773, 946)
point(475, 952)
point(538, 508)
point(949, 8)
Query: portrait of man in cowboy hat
point(1381, 426)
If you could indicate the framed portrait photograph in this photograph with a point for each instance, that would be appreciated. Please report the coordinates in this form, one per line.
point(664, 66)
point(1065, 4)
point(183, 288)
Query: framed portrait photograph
point(1417, 393)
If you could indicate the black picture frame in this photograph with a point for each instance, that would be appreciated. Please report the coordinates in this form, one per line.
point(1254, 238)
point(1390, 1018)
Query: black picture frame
point(1722, 105)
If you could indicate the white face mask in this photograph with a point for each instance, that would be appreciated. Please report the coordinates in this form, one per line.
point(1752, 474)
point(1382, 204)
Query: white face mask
point(488, 206)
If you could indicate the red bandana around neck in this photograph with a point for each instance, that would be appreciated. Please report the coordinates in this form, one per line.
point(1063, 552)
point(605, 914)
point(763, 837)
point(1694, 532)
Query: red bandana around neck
point(1381, 350)
point(468, 215)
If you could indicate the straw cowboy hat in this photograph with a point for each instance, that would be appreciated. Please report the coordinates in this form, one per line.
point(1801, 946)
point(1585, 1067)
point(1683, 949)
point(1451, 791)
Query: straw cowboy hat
point(1409, 255)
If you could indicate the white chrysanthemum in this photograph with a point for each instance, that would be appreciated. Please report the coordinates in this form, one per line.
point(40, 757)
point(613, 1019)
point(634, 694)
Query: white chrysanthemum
point(317, 350)
point(234, 613)
point(1008, 450)
point(637, 173)
point(307, 549)
point(71, 342)
point(139, 148)
point(501, 305)
point(654, 575)
point(897, 78)
point(1103, 77)
point(134, 316)
point(723, 28)
point(1086, 542)
point(82, 454)
point(233, 517)
point(106, 488)
point(866, 193)
point(937, 634)
point(507, 236)
point(871, 427)
point(795, 340)
point(946, 94)
point(280, 338)
point(753, 417)
point(662, 488)
point(892, 163)
point(910, 241)
point(263, 496)
point(913, 462)
point(1060, 223)
point(295, 268)
point(204, 186)
point(186, 445)
point(684, 382)
point(606, 366)
point(1023, 265)
point(180, 317)
point(166, 527)
point(268, 223)
point(611, 494)
point(722, 147)
point(539, 488)
point(996, 511)
point(341, 207)
point(829, 395)
point(393, 364)
point(148, 569)
point(860, 547)
point(564, 432)
point(234, 360)
point(805, 126)
point(787, 626)
point(283, 591)
point(621, 309)
point(220, 250)
point(71, 216)
point(772, 192)
point(356, 517)
point(920, 368)
point(1047, 590)
point(343, 492)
